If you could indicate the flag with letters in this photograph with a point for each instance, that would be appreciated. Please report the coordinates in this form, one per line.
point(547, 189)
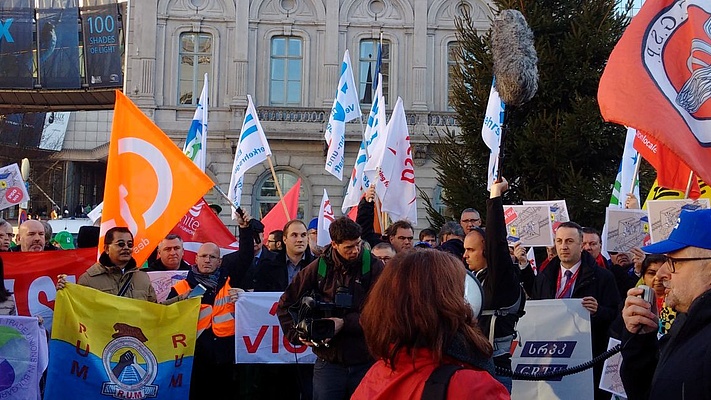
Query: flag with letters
point(107, 346)
point(252, 149)
point(358, 181)
point(146, 177)
point(325, 217)
point(23, 357)
point(375, 132)
point(396, 182)
point(491, 132)
point(658, 80)
point(196, 142)
point(345, 108)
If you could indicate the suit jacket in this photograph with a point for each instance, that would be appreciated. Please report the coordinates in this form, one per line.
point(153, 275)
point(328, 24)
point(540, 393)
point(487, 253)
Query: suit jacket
point(272, 274)
point(591, 281)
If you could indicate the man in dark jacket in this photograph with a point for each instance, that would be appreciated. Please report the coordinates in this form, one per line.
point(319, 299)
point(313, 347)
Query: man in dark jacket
point(574, 273)
point(487, 255)
point(678, 365)
point(341, 277)
point(170, 251)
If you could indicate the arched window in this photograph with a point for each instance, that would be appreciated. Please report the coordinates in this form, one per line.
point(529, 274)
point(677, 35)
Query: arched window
point(268, 197)
point(195, 60)
point(437, 201)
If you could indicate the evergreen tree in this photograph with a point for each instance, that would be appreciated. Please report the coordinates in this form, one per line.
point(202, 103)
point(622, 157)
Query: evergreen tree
point(557, 145)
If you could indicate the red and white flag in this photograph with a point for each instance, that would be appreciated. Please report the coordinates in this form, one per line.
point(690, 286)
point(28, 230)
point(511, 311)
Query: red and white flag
point(325, 217)
point(657, 80)
point(200, 225)
point(396, 183)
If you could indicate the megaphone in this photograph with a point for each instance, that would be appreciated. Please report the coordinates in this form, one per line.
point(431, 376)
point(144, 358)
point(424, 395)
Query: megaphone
point(473, 293)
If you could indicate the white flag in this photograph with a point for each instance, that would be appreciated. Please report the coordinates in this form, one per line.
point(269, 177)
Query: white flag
point(531, 256)
point(397, 174)
point(346, 107)
point(491, 132)
point(196, 142)
point(625, 174)
point(375, 133)
point(325, 217)
point(358, 182)
point(252, 149)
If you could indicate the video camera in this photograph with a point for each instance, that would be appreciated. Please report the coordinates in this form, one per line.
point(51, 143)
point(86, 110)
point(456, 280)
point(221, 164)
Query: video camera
point(313, 323)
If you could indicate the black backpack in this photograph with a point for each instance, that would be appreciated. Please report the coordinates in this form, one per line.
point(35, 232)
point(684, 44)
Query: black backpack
point(438, 382)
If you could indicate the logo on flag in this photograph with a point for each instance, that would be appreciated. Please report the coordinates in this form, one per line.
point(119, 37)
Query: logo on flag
point(491, 131)
point(252, 149)
point(358, 182)
point(196, 142)
point(345, 108)
point(145, 178)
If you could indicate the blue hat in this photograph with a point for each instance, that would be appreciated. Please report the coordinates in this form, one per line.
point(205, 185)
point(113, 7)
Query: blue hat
point(691, 229)
point(313, 224)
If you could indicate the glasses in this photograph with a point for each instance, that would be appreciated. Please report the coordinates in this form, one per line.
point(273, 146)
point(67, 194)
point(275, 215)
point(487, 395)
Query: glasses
point(208, 257)
point(672, 261)
point(470, 221)
point(122, 244)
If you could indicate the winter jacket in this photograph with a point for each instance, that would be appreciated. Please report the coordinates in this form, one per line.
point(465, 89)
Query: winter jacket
point(678, 366)
point(348, 346)
point(407, 380)
point(109, 278)
point(592, 281)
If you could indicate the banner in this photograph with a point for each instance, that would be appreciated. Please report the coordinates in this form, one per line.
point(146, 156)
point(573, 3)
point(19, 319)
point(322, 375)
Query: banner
point(12, 188)
point(21, 130)
point(103, 45)
point(32, 276)
point(146, 177)
point(163, 281)
point(358, 181)
point(107, 345)
point(325, 217)
point(58, 40)
point(199, 225)
point(258, 335)
point(554, 334)
point(54, 130)
point(16, 48)
point(23, 357)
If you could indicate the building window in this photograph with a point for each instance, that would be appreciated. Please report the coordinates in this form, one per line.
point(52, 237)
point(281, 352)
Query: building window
point(438, 201)
point(195, 61)
point(368, 67)
point(451, 66)
point(286, 66)
point(268, 196)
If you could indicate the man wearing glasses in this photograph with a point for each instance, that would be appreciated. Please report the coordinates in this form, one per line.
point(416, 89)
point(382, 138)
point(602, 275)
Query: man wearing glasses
point(469, 220)
point(677, 365)
point(116, 272)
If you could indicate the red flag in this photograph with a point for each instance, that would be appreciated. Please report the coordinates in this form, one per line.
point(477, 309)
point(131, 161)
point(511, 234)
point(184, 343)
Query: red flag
point(672, 173)
point(656, 80)
point(199, 225)
point(275, 218)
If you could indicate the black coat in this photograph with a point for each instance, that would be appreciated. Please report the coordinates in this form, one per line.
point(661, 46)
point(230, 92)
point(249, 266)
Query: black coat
point(273, 276)
point(592, 281)
point(678, 366)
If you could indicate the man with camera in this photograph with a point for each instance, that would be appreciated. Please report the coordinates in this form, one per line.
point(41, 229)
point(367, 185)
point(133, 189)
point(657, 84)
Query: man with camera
point(677, 365)
point(321, 308)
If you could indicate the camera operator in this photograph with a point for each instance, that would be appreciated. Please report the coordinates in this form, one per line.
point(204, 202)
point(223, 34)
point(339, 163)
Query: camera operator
point(321, 308)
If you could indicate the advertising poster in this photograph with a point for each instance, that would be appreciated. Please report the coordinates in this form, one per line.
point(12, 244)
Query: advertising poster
point(16, 51)
point(58, 38)
point(103, 46)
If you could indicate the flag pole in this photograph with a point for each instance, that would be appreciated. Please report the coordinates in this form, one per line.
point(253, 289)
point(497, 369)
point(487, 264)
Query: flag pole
point(278, 188)
point(688, 184)
point(635, 176)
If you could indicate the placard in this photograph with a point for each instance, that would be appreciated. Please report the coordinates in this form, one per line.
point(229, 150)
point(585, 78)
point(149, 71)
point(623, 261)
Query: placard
point(663, 215)
point(626, 229)
point(531, 225)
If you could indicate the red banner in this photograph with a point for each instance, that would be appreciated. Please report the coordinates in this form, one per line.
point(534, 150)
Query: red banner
point(32, 276)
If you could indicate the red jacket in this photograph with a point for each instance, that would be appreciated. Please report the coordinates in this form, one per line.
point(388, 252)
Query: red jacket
point(407, 381)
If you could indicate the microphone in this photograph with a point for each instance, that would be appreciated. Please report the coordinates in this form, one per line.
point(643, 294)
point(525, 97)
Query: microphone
point(514, 58)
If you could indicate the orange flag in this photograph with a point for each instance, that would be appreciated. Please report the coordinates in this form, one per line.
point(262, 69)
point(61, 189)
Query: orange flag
point(656, 81)
point(276, 218)
point(150, 183)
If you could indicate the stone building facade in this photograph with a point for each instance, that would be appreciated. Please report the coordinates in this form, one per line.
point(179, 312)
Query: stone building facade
point(286, 54)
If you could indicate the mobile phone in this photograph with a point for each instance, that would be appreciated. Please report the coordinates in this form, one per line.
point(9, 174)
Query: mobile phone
point(649, 296)
point(198, 290)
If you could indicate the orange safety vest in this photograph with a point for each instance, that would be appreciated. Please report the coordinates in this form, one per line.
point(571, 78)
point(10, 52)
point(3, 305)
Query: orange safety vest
point(221, 314)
